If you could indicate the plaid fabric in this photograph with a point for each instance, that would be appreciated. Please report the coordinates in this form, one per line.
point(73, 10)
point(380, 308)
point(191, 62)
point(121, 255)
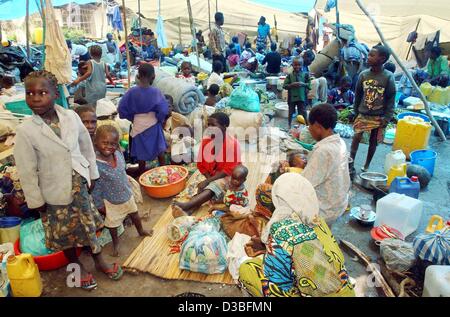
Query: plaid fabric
point(365, 123)
point(217, 40)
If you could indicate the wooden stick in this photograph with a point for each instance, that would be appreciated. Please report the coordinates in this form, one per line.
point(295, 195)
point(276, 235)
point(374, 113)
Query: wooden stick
point(378, 276)
point(126, 43)
point(405, 70)
point(27, 26)
point(392, 281)
point(191, 22)
point(209, 16)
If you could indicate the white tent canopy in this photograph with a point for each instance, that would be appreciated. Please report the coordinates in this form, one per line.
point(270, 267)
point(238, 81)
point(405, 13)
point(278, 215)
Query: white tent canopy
point(240, 16)
point(396, 19)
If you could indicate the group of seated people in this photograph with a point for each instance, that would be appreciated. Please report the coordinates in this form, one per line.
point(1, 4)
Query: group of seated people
point(303, 196)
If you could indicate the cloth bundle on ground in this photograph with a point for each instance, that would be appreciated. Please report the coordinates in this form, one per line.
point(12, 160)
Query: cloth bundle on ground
point(205, 249)
point(236, 253)
point(397, 254)
point(180, 227)
point(244, 98)
point(32, 238)
point(186, 97)
point(245, 125)
point(434, 247)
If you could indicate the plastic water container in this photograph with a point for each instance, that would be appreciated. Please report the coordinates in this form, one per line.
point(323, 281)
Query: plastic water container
point(389, 136)
point(23, 274)
point(399, 212)
point(394, 158)
point(437, 281)
point(396, 171)
point(413, 133)
point(438, 95)
point(406, 186)
point(425, 158)
point(9, 229)
point(39, 36)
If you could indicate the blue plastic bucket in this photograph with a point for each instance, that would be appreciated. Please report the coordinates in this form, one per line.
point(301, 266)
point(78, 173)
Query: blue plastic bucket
point(425, 158)
point(9, 222)
point(413, 114)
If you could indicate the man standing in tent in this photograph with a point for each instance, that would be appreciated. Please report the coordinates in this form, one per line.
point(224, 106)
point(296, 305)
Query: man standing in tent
point(217, 43)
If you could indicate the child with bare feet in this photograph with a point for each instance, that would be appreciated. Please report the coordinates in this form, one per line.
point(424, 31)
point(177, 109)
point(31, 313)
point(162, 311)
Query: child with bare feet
point(112, 193)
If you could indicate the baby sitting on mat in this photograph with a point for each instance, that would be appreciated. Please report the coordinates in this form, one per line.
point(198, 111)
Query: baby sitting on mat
point(235, 195)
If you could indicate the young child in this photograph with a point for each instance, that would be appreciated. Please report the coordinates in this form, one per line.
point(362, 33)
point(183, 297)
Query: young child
point(112, 193)
point(56, 164)
point(95, 77)
point(374, 102)
point(80, 92)
point(343, 96)
point(186, 73)
point(211, 99)
point(237, 46)
point(236, 193)
point(89, 119)
point(233, 59)
point(327, 167)
point(147, 108)
point(182, 145)
point(296, 83)
point(217, 77)
point(7, 87)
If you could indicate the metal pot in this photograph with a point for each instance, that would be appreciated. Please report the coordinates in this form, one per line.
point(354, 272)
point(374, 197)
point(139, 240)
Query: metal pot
point(282, 109)
point(369, 180)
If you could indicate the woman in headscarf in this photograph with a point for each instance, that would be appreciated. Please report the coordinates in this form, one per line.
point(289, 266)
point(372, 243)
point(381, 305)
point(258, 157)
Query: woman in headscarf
point(301, 258)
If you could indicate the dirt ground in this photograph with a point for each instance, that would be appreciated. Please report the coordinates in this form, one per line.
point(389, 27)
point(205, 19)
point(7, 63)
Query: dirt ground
point(436, 201)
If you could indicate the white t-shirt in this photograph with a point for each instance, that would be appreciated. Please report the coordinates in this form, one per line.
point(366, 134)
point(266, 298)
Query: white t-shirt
point(78, 50)
point(215, 78)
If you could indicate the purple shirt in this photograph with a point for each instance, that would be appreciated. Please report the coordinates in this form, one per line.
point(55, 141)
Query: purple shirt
point(149, 144)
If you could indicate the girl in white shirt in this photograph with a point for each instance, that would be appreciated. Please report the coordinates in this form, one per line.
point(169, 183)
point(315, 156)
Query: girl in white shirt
point(57, 167)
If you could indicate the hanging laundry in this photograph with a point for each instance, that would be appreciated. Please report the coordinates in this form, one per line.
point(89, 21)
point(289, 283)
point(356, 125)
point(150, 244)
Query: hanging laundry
point(117, 19)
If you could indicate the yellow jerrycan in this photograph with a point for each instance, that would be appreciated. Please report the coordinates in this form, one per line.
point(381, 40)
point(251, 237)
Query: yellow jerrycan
point(412, 134)
point(396, 171)
point(436, 223)
point(24, 277)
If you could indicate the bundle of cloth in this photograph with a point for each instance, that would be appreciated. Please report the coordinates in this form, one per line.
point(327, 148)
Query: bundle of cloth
point(186, 97)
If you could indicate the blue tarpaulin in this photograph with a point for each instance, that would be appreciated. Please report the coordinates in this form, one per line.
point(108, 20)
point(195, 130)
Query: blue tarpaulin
point(294, 6)
point(14, 9)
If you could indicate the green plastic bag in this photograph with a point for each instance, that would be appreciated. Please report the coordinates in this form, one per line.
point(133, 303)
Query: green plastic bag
point(244, 98)
point(32, 238)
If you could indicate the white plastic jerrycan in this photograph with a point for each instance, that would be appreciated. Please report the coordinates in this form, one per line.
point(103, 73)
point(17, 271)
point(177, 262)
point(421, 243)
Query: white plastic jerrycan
point(394, 158)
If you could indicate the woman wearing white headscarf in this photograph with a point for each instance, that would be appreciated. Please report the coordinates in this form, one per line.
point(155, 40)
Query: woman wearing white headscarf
point(302, 257)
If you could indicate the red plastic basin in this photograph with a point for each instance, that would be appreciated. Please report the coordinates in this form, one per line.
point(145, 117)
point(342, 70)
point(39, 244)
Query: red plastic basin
point(48, 262)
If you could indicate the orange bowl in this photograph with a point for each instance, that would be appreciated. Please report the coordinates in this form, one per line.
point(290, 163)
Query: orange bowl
point(164, 191)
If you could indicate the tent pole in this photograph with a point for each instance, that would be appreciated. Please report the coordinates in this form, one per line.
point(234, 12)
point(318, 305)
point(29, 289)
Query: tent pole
point(411, 45)
point(27, 25)
point(179, 30)
point(140, 23)
point(209, 16)
point(44, 22)
point(276, 28)
point(405, 70)
point(103, 19)
point(191, 22)
point(126, 42)
point(338, 20)
point(217, 6)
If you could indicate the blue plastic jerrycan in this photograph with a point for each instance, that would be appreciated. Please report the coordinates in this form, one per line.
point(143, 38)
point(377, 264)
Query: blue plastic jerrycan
point(406, 186)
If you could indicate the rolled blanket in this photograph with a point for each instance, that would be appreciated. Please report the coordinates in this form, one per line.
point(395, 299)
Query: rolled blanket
point(186, 97)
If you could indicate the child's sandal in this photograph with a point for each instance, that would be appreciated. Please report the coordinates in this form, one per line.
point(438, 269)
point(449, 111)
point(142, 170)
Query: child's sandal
point(89, 283)
point(115, 273)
